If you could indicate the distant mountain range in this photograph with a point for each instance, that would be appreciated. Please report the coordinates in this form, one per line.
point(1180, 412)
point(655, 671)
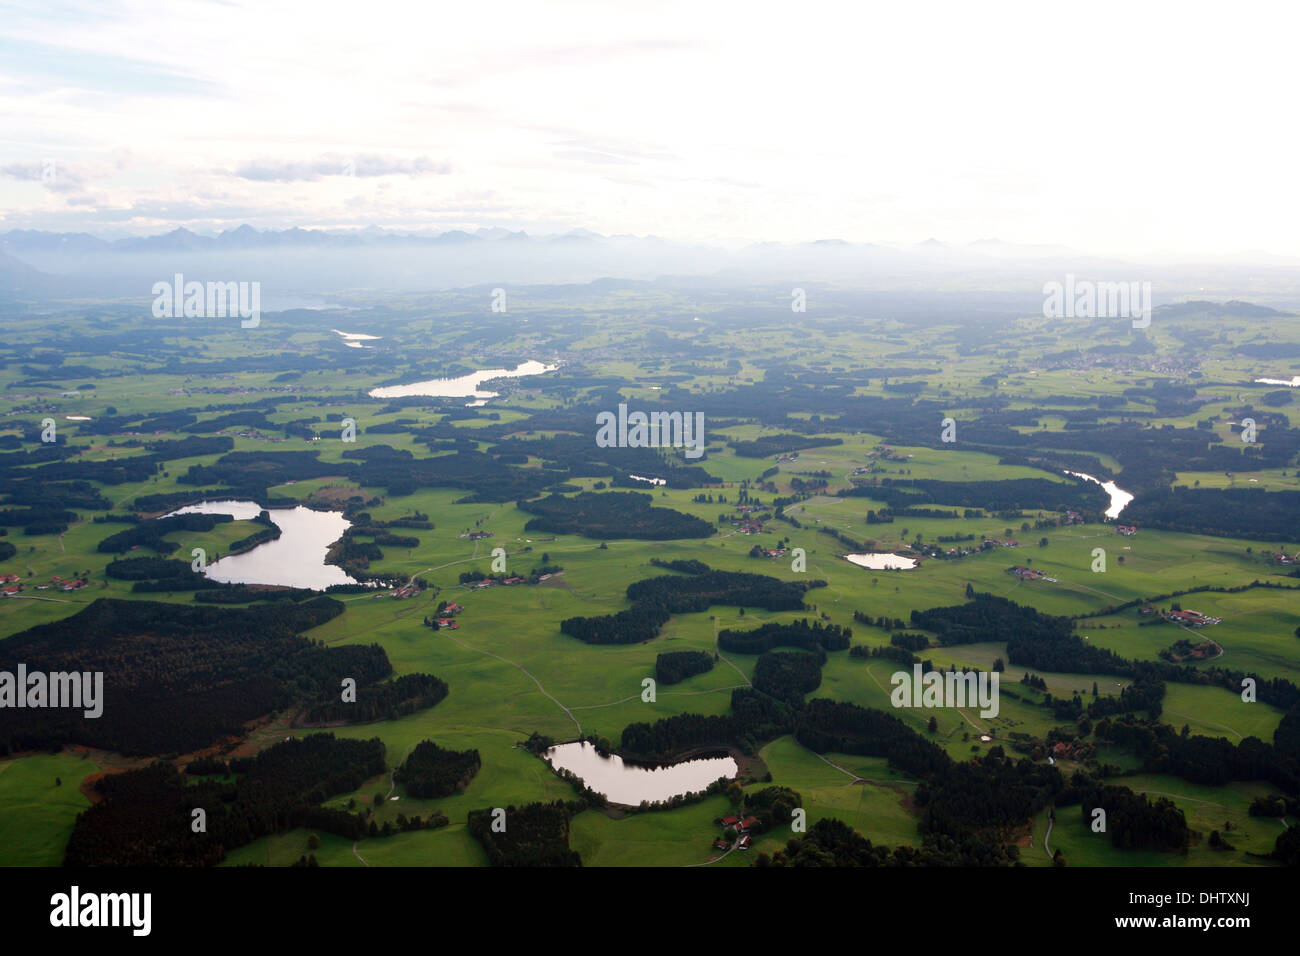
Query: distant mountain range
point(30, 241)
point(37, 265)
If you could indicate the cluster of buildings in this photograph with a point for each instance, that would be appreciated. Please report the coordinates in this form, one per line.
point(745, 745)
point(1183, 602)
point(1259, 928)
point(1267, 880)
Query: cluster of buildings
point(488, 582)
point(1191, 618)
point(447, 621)
point(255, 435)
point(1128, 530)
point(59, 584)
point(11, 584)
point(1030, 574)
point(933, 551)
point(1074, 750)
point(1282, 558)
point(1072, 517)
point(885, 453)
point(405, 591)
point(477, 535)
point(742, 826)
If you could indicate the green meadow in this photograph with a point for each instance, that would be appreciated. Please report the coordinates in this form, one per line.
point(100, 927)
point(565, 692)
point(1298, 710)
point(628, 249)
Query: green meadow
point(512, 672)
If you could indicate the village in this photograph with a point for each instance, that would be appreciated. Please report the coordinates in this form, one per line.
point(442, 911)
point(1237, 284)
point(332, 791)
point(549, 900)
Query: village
point(11, 584)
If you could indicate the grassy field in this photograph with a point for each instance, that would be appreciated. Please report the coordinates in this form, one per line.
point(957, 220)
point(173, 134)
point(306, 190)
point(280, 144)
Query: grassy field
point(512, 672)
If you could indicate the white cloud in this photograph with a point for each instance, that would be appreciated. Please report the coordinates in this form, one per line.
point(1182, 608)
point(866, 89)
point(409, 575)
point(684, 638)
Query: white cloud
point(1106, 126)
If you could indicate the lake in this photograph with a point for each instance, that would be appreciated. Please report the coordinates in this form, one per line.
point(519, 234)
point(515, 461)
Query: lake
point(295, 559)
point(882, 561)
point(354, 340)
point(1119, 498)
point(1288, 382)
point(466, 386)
point(628, 783)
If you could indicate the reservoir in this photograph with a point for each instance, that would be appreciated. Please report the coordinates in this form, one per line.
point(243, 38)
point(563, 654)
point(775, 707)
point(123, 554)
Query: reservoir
point(630, 784)
point(466, 386)
point(295, 559)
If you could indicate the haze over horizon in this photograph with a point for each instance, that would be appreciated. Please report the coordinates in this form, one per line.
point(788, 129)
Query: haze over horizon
point(655, 119)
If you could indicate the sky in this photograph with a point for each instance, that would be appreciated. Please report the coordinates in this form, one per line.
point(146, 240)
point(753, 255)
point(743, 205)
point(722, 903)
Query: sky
point(1119, 128)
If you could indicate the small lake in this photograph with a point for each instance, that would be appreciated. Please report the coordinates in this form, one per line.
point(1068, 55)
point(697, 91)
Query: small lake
point(630, 784)
point(1288, 382)
point(466, 386)
point(295, 559)
point(1119, 498)
point(354, 340)
point(882, 561)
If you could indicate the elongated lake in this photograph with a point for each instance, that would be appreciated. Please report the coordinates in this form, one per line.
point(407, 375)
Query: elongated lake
point(1119, 498)
point(466, 386)
point(630, 784)
point(882, 561)
point(295, 559)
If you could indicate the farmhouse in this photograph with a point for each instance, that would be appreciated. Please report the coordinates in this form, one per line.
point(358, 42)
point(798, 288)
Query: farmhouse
point(1027, 574)
point(1128, 530)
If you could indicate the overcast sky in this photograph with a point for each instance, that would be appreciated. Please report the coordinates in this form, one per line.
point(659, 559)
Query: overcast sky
point(1119, 127)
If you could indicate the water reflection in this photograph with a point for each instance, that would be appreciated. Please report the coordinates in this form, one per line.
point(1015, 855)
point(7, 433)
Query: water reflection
point(630, 784)
point(295, 559)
